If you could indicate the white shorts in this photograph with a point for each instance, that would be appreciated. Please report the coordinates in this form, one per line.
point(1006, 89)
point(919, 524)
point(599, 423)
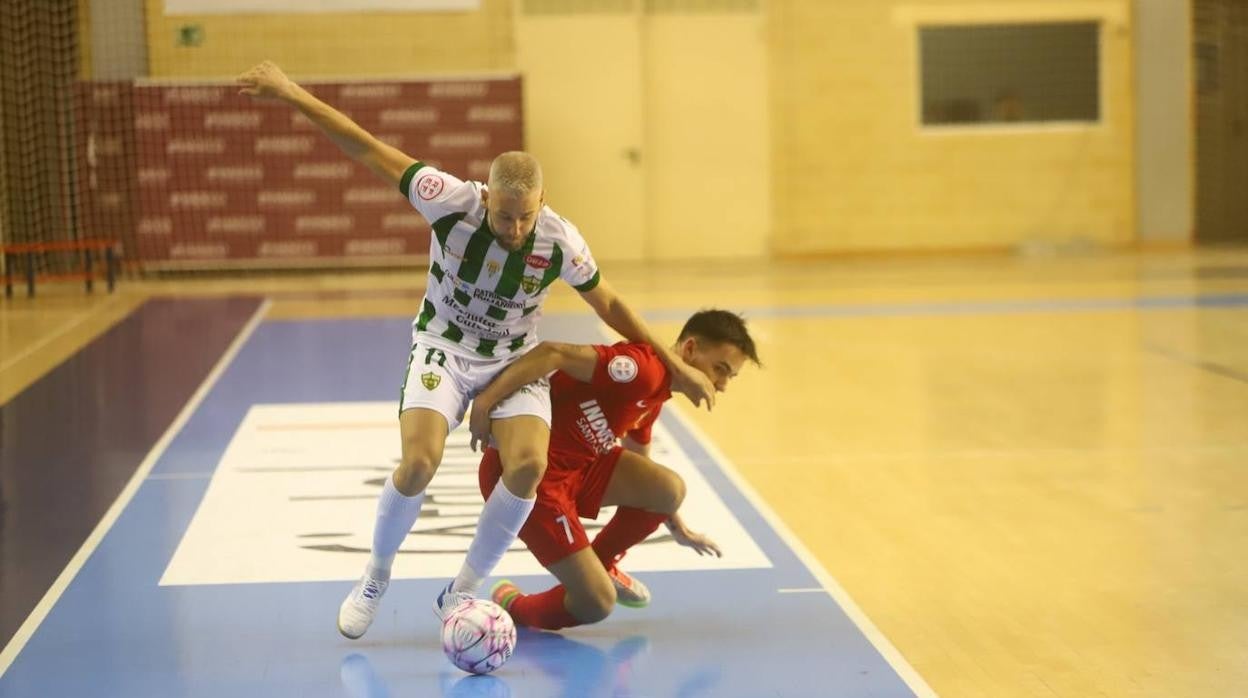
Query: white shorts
point(445, 380)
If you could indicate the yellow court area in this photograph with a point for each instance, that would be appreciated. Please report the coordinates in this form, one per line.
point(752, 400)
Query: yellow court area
point(1027, 472)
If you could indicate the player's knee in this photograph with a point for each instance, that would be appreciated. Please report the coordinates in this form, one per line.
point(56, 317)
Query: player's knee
point(414, 473)
point(593, 605)
point(600, 609)
point(673, 493)
point(523, 471)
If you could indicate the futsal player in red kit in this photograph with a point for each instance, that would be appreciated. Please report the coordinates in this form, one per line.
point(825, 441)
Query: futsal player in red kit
point(604, 401)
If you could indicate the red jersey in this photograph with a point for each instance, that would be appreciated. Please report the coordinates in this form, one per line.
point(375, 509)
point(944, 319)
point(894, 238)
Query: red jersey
point(629, 387)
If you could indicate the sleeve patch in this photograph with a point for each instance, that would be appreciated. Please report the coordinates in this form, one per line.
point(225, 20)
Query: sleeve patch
point(622, 369)
point(429, 186)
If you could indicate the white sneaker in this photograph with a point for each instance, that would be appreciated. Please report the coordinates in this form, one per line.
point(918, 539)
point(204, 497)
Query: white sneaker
point(360, 607)
point(448, 600)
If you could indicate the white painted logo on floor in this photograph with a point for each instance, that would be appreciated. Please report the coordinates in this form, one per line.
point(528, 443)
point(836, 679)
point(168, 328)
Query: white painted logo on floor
point(294, 497)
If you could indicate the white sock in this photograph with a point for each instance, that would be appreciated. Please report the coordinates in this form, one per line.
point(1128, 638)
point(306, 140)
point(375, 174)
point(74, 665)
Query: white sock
point(396, 514)
point(501, 519)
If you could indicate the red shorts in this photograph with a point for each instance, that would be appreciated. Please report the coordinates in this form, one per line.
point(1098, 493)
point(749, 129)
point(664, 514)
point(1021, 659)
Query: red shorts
point(566, 493)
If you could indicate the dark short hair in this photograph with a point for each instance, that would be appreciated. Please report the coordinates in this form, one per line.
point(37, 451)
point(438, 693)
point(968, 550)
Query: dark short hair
point(721, 327)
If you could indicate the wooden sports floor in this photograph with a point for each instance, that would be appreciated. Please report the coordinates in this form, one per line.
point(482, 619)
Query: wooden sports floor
point(1029, 473)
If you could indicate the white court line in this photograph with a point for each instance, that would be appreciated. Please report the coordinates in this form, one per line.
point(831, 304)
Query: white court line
point(808, 590)
point(56, 334)
point(181, 476)
point(838, 593)
point(28, 628)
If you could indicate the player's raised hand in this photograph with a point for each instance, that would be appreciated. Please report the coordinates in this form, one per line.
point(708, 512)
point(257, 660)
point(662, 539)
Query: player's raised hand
point(265, 81)
point(694, 384)
point(479, 425)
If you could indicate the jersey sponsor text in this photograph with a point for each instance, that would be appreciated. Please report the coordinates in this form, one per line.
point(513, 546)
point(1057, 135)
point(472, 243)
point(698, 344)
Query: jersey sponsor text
point(595, 427)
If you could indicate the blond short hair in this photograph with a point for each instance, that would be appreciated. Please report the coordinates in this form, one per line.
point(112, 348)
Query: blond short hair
point(515, 173)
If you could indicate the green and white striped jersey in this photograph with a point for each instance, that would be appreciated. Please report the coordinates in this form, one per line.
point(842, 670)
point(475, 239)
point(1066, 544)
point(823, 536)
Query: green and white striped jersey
point(482, 298)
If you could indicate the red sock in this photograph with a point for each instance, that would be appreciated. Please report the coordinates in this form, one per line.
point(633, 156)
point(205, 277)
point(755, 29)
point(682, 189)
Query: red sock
point(544, 610)
point(627, 528)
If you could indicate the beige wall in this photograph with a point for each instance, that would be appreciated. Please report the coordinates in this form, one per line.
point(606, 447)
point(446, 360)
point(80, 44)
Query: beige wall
point(652, 128)
point(643, 121)
point(583, 118)
point(114, 39)
point(335, 44)
point(706, 153)
point(853, 171)
point(1165, 178)
point(841, 164)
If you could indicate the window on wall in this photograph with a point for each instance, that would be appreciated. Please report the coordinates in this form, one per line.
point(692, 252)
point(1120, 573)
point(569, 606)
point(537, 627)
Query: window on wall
point(1010, 73)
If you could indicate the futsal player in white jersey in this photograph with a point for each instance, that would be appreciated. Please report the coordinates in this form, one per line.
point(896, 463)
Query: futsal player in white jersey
point(494, 253)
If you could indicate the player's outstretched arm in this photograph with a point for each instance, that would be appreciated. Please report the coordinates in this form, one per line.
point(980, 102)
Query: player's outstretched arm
point(686, 379)
point(266, 81)
point(577, 360)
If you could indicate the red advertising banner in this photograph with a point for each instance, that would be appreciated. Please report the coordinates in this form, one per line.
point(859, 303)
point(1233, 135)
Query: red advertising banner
point(200, 177)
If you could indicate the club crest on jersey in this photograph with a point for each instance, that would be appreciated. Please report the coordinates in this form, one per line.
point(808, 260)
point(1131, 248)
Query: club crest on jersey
point(537, 262)
point(530, 283)
point(492, 267)
point(622, 369)
point(429, 186)
point(430, 380)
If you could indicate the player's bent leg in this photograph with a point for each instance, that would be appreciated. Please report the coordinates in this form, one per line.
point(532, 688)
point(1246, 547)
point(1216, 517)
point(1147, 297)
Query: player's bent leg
point(423, 434)
point(585, 595)
point(522, 442)
point(647, 494)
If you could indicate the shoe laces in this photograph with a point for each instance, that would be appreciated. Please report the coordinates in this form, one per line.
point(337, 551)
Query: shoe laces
point(371, 590)
point(620, 576)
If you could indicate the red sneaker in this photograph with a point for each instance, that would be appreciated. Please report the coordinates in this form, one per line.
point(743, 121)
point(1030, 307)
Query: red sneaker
point(629, 591)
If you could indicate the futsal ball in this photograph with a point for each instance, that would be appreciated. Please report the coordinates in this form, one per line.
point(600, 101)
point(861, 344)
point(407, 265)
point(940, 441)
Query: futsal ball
point(478, 636)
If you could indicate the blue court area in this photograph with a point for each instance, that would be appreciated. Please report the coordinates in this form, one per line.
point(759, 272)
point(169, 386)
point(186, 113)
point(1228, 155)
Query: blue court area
point(773, 629)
